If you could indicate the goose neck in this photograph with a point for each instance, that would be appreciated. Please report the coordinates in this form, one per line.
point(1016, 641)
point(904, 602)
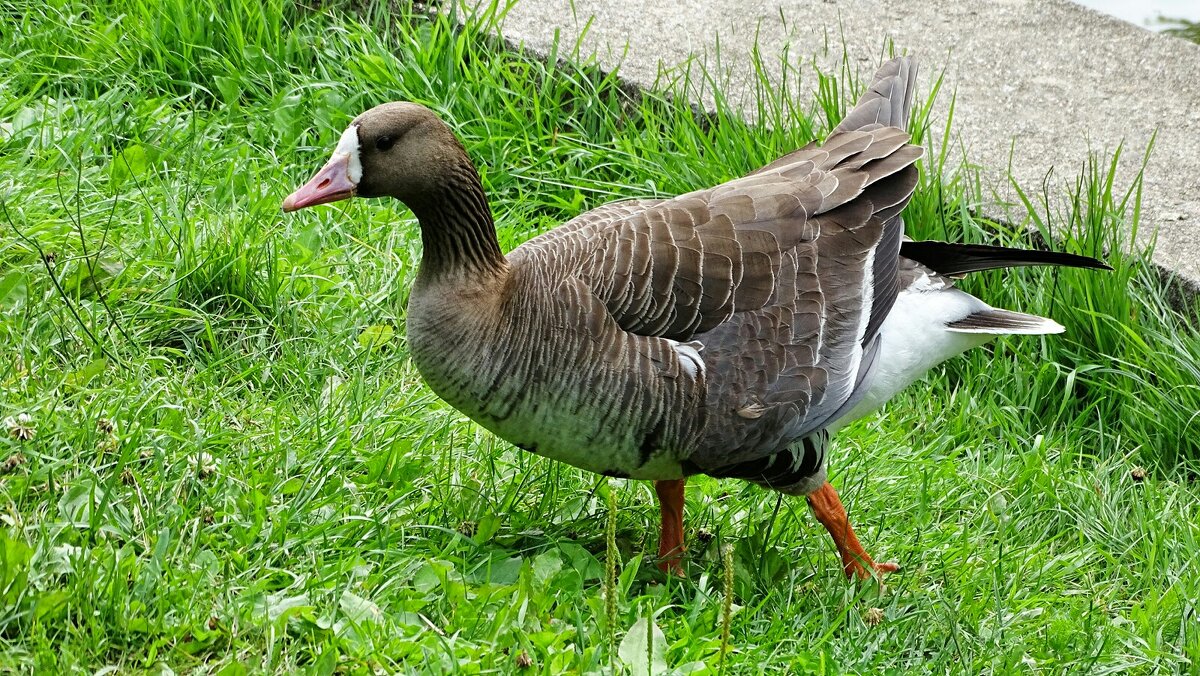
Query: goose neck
point(458, 234)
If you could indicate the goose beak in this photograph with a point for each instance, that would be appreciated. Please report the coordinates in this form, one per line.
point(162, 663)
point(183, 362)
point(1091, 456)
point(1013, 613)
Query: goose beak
point(331, 184)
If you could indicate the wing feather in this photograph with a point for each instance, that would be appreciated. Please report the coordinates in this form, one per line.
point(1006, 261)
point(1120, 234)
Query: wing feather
point(783, 277)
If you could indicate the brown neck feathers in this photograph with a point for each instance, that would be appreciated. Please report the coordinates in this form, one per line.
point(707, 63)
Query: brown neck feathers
point(457, 231)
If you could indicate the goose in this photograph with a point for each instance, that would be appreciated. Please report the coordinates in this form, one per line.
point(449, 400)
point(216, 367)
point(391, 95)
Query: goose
point(726, 331)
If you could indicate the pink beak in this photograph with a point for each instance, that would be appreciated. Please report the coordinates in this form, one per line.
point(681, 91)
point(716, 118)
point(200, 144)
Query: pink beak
point(332, 183)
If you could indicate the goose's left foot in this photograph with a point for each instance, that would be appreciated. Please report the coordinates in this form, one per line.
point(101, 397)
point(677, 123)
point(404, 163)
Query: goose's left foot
point(670, 543)
point(827, 507)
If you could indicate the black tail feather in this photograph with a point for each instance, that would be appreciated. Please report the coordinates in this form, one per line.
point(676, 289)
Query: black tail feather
point(949, 258)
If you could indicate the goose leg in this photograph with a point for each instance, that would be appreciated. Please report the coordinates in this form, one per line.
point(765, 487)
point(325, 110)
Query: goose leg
point(670, 543)
point(827, 507)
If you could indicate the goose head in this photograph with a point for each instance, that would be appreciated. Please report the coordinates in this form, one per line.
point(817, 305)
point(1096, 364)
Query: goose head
point(401, 150)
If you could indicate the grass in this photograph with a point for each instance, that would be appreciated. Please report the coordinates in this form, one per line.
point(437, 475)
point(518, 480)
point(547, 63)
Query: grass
point(1188, 30)
point(219, 460)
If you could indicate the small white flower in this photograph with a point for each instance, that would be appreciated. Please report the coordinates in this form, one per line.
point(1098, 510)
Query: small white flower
point(21, 428)
point(874, 616)
point(203, 464)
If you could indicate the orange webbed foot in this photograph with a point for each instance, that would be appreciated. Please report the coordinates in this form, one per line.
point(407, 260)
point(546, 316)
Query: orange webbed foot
point(670, 543)
point(827, 507)
point(865, 570)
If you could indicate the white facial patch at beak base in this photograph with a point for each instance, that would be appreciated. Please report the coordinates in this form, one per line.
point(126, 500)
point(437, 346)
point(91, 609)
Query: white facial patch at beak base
point(348, 146)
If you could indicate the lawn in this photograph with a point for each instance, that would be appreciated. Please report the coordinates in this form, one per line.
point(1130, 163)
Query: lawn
point(216, 457)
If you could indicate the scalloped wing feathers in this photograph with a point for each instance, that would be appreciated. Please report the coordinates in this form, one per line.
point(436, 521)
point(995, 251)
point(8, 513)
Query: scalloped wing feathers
point(782, 277)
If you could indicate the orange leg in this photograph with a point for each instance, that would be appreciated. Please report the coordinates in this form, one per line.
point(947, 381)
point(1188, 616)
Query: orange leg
point(827, 507)
point(670, 543)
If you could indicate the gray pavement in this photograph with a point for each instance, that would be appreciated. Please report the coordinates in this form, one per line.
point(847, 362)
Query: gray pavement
point(1039, 83)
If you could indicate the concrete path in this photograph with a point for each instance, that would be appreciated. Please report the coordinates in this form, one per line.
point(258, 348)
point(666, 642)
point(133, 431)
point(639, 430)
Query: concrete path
point(1040, 81)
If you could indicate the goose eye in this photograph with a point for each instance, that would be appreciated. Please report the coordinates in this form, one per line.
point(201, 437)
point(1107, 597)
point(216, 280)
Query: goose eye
point(384, 143)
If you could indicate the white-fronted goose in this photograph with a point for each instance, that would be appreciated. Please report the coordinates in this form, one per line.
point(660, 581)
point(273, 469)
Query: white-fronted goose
point(721, 332)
